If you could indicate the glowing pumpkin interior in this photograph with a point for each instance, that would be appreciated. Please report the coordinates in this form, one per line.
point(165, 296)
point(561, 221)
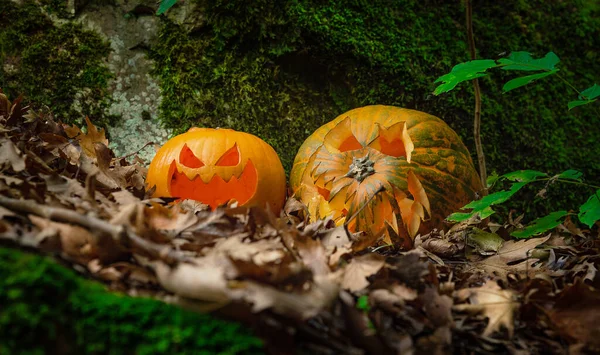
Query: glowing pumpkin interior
point(221, 188)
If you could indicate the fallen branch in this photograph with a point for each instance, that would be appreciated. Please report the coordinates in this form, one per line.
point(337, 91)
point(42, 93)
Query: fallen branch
point(120, 233)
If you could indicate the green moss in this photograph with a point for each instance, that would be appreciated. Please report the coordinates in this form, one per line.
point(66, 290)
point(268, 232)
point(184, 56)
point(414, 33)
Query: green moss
point(56, 7)
point(47, 308)
point(244, 90)
point(50, 63)
point(281, 69)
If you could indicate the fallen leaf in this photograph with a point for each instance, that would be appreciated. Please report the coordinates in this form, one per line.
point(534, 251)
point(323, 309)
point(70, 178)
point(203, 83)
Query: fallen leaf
point(575, 314)
point(171, 219)
point(4, 106)
point(88, 140)
point(503, 263)
point(588, 269)
point(203, 280)
point(437, 307)
point(408, 268)
point(121, 175)
point(493, 302)
point(313, 254)
point(337, 244)
point(75, 241)
point(6, 213)
point(11, 156)
point(124, 197)
point(321, 294)
point(359, 268)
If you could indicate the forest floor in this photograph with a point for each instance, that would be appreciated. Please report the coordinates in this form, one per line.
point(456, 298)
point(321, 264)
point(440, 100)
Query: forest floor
point(62, 191)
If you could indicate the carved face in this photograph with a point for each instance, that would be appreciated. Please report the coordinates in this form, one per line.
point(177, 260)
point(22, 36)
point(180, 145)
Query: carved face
point(385, 170)
point(216, 166)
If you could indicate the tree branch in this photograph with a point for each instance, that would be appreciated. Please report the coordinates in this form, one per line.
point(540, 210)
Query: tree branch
point(120, 233)
point(477, 120)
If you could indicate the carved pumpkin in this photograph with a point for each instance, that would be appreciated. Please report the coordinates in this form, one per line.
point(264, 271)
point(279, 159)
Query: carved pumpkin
point(216, 166)
point(391, 168)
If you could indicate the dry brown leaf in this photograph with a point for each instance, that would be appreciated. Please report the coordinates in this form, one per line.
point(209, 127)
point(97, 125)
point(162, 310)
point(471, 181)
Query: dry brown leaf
point(394, 296)
point(357, 271)
point(323, 291)
point(575, 314)
point(172, 219)
point(125, 197)
point(88, 140)
point(121, 175)
point(588, 269)
point(337, 244)
point(70, 153)
point(493, 302)
point(88, 165)
point(437, 307)
point(207, 280)
point(511, 252)
point(75, 241)
point(313, 254)
point(439, 245)
point(203, 280)
point(6, 213)
point(4, 106)
point(71, 192)
point(11, 156)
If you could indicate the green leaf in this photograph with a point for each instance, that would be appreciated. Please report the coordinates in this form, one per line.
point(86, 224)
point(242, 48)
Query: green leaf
point(524, 80)
point(571, 175)
point(524, 175)
point(586, 97)
point(524, 61)
point(461, 216)
point(362, 303)
point(486, 212)
point(463, 72)
point(492, 179)
point(495, 198)
point(541, 225)
point(589, 212)
point(576, 103)
point(591, 93)
point(164, 6)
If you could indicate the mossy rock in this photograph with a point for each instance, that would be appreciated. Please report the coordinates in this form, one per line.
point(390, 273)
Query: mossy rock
point(61, 66)
point(48, 308)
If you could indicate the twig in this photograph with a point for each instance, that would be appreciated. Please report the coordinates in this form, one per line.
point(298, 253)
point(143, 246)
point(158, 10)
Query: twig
point(134, 153)
point(120, 233)
point(477, 120)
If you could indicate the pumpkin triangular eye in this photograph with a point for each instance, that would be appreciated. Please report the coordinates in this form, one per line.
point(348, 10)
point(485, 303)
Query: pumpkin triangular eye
point(341, 138)
point(394, 141)
point(187, 158)
point(230, 158)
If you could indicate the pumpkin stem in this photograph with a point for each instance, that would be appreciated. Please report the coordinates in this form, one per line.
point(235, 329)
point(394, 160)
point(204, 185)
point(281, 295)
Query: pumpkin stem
point(361, 168)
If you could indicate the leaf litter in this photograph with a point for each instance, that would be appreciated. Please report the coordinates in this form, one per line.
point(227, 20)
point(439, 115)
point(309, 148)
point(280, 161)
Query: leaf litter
point(64, 193)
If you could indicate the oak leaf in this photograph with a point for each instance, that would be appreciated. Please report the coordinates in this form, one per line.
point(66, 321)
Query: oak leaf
point(493, 302)
point(88, 139)
point(356, 273)
point(506, 261)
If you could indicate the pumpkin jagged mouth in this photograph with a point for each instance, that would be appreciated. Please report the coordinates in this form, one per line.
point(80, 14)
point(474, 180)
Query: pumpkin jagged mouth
point(217, 191)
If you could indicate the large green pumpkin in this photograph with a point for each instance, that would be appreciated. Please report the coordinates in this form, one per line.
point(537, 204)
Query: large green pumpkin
point(395, 170)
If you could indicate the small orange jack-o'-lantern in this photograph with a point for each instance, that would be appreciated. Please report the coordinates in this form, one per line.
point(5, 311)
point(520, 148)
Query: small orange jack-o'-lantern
point(216, 166)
